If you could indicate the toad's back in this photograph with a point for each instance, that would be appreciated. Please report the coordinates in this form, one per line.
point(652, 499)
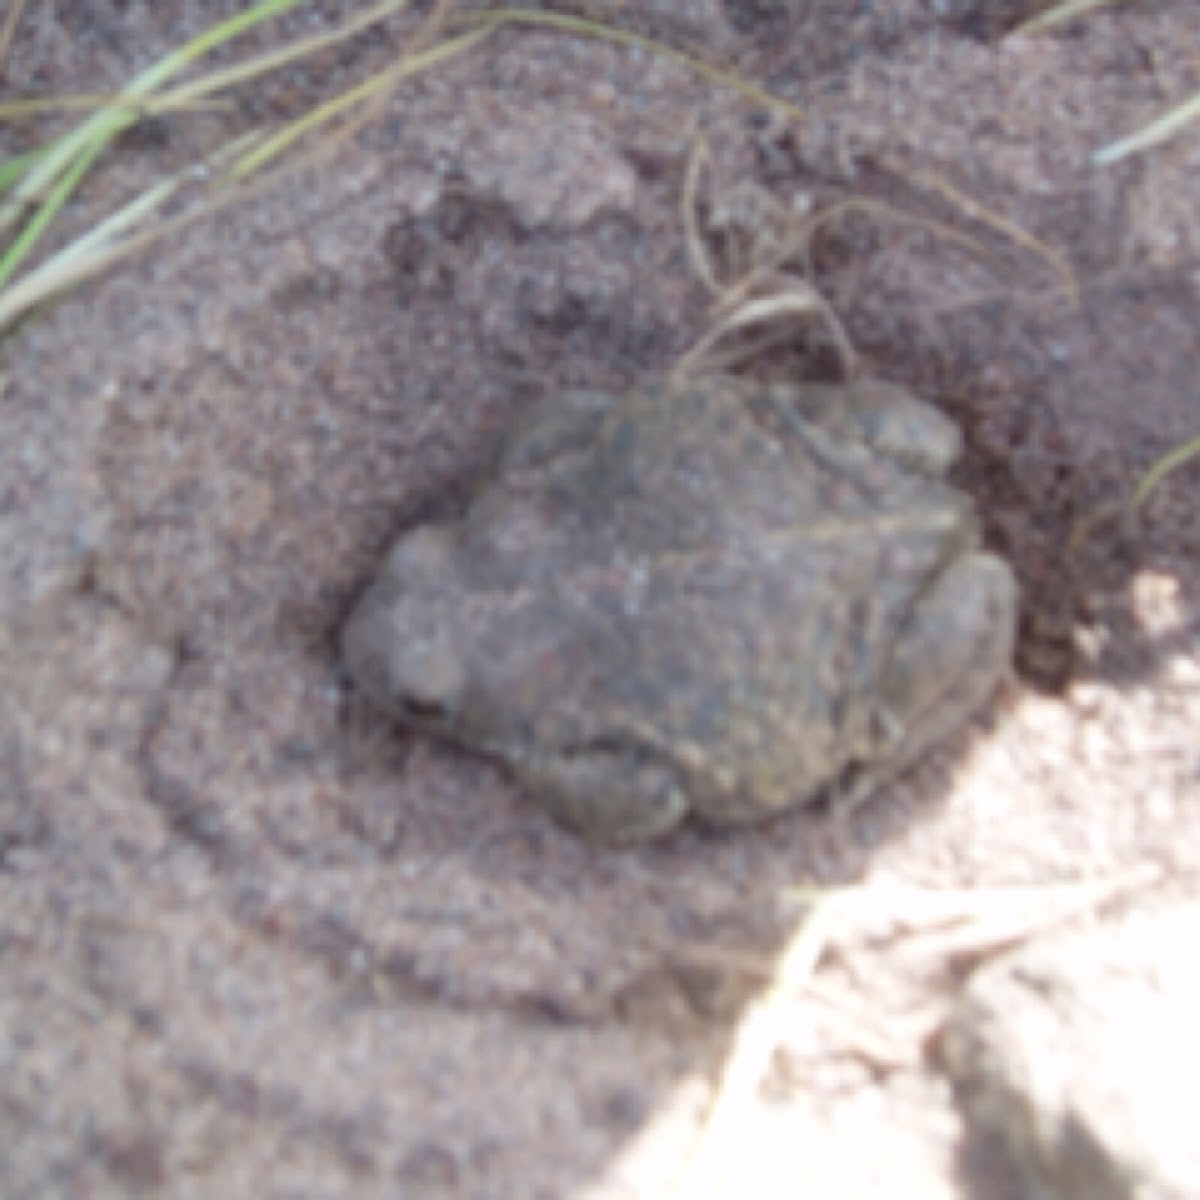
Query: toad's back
point(704, 575)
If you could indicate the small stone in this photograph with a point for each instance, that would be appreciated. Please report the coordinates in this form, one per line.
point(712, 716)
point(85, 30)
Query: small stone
point(1080, 1050)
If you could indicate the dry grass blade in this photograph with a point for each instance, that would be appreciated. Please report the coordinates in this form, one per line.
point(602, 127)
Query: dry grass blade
point(715, 1167)
point(1157, 131)
point(769, 292)
point(1171, 461)
point(272, 146)
point(254, 68)
point(1125, 511)
point(985, 216)
point(699, 163)
point(8, 29)
point(1006, 921)
point(149, 106)
point(876, 208)
point(625, 37)
point(1060, 14)
point(788, 299)
point(979, 918)
point(764, 295)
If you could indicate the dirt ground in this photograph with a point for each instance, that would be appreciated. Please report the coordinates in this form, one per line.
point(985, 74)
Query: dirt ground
point(255, 943)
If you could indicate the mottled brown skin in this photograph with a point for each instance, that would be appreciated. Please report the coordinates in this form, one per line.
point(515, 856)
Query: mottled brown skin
point(724, 598)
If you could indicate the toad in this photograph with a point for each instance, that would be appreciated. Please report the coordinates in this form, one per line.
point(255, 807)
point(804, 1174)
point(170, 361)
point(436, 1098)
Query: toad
point(719, 598)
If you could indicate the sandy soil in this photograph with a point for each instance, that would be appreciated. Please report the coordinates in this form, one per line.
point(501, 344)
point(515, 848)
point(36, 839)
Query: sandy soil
point(254, 943)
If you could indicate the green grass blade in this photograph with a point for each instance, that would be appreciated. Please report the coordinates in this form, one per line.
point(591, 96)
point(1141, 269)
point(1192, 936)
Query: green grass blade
point(14, 168)
point(104, 125)
point(25, 240)
point(53, 172)
point(111, 241)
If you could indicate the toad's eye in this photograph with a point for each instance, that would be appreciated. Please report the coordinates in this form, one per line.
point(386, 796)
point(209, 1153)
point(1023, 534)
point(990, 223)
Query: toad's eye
point(425, 713)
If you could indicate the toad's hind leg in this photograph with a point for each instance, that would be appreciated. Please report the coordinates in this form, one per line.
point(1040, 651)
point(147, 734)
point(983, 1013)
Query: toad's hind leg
point(608, 793)
point(943, 668)
point(950, 658)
